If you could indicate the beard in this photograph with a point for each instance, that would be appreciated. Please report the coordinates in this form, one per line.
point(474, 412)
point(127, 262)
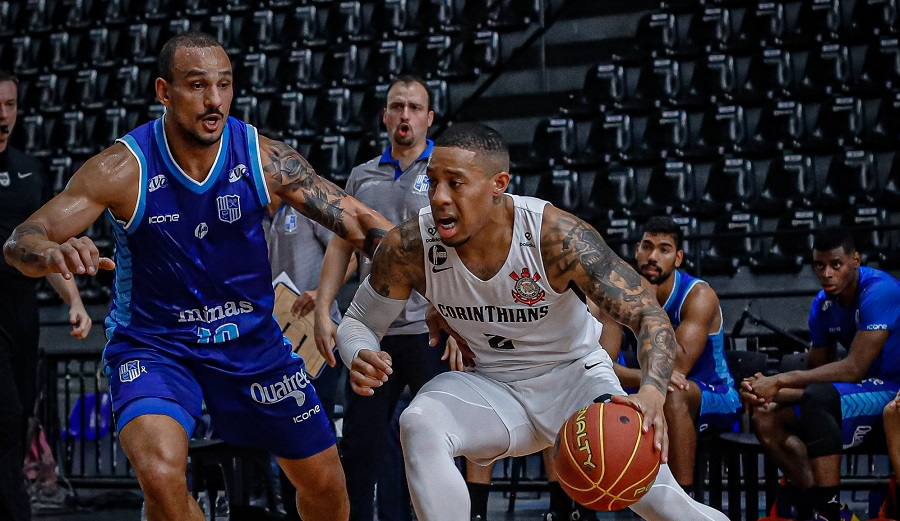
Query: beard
point(656, 280)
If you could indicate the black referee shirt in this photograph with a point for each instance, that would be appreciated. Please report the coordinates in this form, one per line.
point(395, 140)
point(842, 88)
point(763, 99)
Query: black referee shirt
point(24, 187)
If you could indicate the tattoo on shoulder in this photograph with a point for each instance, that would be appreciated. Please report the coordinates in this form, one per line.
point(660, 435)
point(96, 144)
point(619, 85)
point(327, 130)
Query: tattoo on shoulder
point(321, 198)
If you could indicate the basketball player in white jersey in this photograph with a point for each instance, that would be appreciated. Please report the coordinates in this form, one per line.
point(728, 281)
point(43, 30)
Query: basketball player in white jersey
point(510, 275)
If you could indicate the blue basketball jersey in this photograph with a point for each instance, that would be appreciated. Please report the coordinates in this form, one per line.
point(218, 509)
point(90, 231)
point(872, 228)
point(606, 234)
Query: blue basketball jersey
point(876, 306)
point(192, 263)
point(710, 367)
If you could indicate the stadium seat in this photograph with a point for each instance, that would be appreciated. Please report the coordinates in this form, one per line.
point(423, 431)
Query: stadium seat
point(439, 16)
point(659, 82)
point(562, 187)
point(137, 45)
point(867, 224)
point(289, 114)
point(670, 189)
point(72, 134)
point(657, 33)
point(333, 111)
point(60, 169)
point(480, 53)
point(667, 134)
point(390, 19)
point(735, 242)
point(85, 90)
point(328, 156)
point(791, 244)
point(371, 109)
point(874, 17)
point(690, 229)
point(33, 134)
point(386, 60)
point(881, 68)
point(344, 22)
point(96, 50)
point(614, 192)
point(303, 27)
point(252, 74)
point(723, 130)
point(555, 142)
point(506, 15)
point(440, 98)
point(790, 183)
point(173, 27)
point(298, 69)
point(889, 196)
point(769, 75)
point(885, 132)
point(604, 86)
point(435, 57)
point(730, 186)
point(610, 137)
point(246, 108)
point(828, 70)
point(852, 181)
point(763, 24)
point(840, 123)
point(36, 16)
point(23, 55)
point(711, 28)
point(8, 23)
point(714, 79)
point(59, 52)
point(156, 10)
point(111, 124)
point(341, 65)
point(260, 33)
point(818, 20)
point(132, 85)
point(44, 92)
point(781, 126)
point(371, 145)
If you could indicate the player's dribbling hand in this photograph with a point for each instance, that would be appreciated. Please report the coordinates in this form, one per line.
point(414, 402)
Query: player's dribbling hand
point(370, 369)
point(649, 401)
point(76, 255)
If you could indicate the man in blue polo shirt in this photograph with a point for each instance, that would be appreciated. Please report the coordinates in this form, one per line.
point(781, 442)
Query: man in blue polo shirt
point(804, 419)
point(395, 185)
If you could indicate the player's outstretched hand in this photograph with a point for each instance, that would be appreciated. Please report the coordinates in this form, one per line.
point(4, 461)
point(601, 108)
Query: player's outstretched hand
point(325, 333)
point(649, 401)
point(436, 323)
point(305, 303)
point(370, 369)
point(76, 255)
point(81, 322)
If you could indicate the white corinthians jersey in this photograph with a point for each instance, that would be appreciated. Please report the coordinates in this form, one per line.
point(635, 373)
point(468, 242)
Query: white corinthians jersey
point(516, 325)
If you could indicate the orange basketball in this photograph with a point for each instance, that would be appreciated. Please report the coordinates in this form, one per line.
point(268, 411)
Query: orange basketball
point(603, 459)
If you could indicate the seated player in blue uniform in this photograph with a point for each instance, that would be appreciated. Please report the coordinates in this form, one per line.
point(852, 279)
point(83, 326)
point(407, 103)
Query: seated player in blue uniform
point(804, 419)
point(191, 317)
point(701, 392)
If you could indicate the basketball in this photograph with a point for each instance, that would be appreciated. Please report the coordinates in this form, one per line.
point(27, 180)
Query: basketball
point(603, 459)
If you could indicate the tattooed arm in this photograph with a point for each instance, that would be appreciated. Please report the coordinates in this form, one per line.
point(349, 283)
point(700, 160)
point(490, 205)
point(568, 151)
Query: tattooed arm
point(290, 176)
point(45, 242)
point(397, 270)
point(575, 254)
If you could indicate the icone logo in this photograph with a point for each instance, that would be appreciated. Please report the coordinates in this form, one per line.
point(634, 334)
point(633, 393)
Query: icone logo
point(876, 327)
point(156, 219)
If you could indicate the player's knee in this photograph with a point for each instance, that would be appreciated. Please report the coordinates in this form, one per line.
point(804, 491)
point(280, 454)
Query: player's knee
point(820, 420)
point(677, 406)
point(766, 424)
point(421, 436)
point(161, 475)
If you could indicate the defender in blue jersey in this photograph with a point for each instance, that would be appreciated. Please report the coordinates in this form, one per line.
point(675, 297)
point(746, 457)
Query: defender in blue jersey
point(701, 392)
point(191, 317)
point(834, 404)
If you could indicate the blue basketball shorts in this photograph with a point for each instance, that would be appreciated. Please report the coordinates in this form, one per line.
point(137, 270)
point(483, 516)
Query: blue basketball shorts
point(861, 408)
point(719, 407)
point(273, 407)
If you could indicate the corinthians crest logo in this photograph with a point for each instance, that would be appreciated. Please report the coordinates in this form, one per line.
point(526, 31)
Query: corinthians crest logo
point(527, 291)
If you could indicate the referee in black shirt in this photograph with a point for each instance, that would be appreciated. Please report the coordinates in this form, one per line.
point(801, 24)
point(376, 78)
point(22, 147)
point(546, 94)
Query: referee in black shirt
point(24, 187)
